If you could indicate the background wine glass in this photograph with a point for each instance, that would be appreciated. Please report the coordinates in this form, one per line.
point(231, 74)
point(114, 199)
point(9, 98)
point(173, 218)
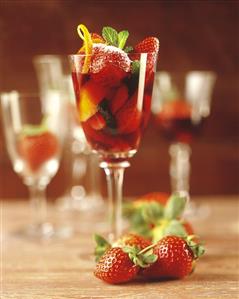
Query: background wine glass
point(83, 175)
point(181, 103)
point(34, 130)
point(113, 108)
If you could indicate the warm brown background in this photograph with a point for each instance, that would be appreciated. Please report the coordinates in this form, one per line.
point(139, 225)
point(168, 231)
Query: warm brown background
point(193, 35)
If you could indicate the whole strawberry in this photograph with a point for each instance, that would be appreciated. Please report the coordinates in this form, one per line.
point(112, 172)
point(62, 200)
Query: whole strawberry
point(121, 262)
point(36, 145)
point(131, 239)
point(115, 267)
point(175, 258)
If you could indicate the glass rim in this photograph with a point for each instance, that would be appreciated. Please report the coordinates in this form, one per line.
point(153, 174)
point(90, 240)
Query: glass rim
point(133, 53)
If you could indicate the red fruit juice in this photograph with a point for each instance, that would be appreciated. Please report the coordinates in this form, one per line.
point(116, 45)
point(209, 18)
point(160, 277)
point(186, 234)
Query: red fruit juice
point(112, 112)
point(176, 122)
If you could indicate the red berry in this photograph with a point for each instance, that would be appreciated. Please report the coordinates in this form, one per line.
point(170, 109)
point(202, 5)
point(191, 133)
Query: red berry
point(37, 149)
point(131, 239)
point(119, 98)
point(109, 65)
point(159, 197)
point(148, 45)
point(116, 267)
point(175, 259)
point(128, 118)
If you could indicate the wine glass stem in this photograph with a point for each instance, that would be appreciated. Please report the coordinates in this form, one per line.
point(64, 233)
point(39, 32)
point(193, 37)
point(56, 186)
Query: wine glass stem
point(38, 204)
point(114, 176)
point(180, 166)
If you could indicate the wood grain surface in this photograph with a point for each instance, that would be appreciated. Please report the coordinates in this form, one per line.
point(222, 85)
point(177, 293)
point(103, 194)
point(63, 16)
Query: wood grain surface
point(64, 268)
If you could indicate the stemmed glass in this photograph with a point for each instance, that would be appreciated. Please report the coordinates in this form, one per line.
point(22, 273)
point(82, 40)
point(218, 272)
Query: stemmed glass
point(34, 130)
point(181, 103)
point(83, 190)
point(114, 107)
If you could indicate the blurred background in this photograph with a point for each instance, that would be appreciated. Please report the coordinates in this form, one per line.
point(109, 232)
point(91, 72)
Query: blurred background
point(194, 35)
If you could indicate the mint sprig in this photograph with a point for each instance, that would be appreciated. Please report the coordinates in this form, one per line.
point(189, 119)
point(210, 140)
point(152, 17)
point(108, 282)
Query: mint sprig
point(113, 38)
point(110, 35)
point(122, 38)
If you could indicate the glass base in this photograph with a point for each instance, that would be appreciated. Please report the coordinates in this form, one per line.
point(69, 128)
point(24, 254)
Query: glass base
point(45, 231)
point(89, 203)
point(196, 211)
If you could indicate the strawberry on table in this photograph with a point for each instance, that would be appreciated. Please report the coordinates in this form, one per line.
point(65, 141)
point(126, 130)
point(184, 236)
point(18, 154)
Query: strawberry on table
point(115, 267)
point(122, 262)
point(176, 257)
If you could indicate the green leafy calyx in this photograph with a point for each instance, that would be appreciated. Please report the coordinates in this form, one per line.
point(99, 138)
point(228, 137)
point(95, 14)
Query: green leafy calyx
point(142, 258)
point(102, 246)
point(34, 130)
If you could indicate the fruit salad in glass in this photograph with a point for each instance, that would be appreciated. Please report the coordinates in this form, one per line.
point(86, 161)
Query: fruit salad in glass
point(113, 86)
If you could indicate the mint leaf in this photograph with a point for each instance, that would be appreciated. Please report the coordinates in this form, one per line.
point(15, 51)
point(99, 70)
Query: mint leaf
point(110, 35)
point(122, 38)
point(135, 66)
point(128, 49)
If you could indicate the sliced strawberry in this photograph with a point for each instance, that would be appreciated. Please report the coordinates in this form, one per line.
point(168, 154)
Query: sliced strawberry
point(37, 149)
point(103, 141)
point(119, 98)
point(90, 95)
point(110, 75)
point(128, 118)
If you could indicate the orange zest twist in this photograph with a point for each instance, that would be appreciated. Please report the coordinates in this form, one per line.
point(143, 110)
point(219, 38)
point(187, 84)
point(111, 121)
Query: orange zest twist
point(88, 45)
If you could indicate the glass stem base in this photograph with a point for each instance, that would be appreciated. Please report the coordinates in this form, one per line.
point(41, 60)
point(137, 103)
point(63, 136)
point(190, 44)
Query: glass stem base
point(114, 175)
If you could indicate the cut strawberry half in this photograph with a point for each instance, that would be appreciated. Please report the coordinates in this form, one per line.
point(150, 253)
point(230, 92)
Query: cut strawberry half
point(128, 118)
point(119, 98)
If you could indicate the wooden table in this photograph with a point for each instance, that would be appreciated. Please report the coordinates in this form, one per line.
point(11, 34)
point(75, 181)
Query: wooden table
point(63, 268)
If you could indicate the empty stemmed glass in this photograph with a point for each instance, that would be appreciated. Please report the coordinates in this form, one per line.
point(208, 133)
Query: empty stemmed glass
point(34, 131)
point(181, 103)
point(114, 107)
point(83, 188)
